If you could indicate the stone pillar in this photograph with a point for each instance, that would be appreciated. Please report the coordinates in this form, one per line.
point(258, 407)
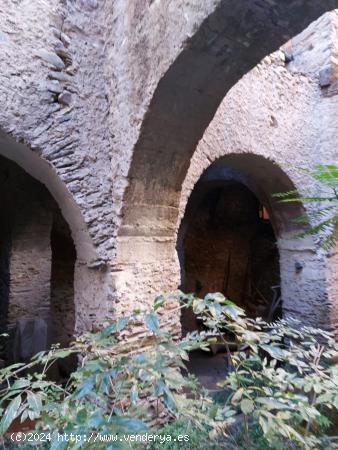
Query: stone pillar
point(30, 264)
point(331, 277)
point(303, 283)
point(146, 266)
point(93, 297)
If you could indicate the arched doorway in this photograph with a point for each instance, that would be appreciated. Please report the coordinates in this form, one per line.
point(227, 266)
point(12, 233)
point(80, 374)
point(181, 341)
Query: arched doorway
point(230, 240)
point(37, 260)
point(88, 280)
point(230, 247)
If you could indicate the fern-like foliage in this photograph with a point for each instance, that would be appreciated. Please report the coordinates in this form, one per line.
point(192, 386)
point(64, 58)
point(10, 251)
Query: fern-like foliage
point(325, 217)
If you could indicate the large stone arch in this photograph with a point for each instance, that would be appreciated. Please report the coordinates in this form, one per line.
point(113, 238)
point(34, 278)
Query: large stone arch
point(302, 270)
point(230, 42)
point(282, 102)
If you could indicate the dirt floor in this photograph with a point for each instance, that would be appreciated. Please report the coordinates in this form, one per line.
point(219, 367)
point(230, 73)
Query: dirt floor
point(208, 368)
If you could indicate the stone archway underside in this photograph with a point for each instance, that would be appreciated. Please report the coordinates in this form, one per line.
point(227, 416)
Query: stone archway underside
point(91, 284)
point(302, 292)
point(230, 42)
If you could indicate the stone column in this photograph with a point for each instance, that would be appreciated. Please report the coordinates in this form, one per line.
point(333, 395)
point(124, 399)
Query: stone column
point(30, 264)
point(303, 283)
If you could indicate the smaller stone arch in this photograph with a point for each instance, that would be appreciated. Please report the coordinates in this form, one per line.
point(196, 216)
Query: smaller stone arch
point(48, 262)
point(301, 268)
point(42, 171)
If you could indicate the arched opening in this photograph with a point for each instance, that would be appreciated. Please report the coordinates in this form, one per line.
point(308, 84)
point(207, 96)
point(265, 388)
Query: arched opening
point(228, 44)
point(37, 260)
point(181, 111)
point(230, 247)
point(228, 242)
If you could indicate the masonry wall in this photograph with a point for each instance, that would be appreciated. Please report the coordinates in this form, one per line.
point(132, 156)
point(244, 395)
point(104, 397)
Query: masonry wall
point(93, 89)
point(30, 265)
point(37, 262)
point(277, 111)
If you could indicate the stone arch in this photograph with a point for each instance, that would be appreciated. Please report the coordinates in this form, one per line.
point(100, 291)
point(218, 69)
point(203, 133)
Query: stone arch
point(261, 177)
point(65, 255)
point(230, 42)
point(42, 171)
point(265, 98)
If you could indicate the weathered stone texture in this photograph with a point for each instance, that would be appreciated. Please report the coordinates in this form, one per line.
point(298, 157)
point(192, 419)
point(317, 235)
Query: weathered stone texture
point(30, 266)
point(279, 111)
point(110, 99)
point(54, 92)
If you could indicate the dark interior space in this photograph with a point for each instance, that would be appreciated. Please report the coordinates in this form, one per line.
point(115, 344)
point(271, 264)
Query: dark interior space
point(62, 281)
point(37, 259)
point(229, 246)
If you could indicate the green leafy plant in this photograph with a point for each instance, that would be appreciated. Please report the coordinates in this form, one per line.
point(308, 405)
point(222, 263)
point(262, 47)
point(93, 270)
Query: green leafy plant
point(282, 376)
point(324, 215)
point(282, 381)
point(116, 389)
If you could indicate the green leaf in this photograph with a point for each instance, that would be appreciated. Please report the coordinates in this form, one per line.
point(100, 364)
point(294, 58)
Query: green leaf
point(271, 403)
point(116, 327)
point(63, 353)
point(159, 302)
point(20, 383)
point(216, 297)
point(247, 406)
point(81, 416)
point(237, 396)
point(130, 424)
point(275, 352)
point(152, 322)
point(10, 414)
point(233, 311)
point(95, 420)
point(86, 387)
point(134, 394)
point(34, 401)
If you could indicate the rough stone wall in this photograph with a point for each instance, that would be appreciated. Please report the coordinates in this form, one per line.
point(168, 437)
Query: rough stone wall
point(282, 111)
point(274, 112)
point(183, 104)
point(26, 221)
point(37, 257)
point(30, 266)
point(55, 98)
